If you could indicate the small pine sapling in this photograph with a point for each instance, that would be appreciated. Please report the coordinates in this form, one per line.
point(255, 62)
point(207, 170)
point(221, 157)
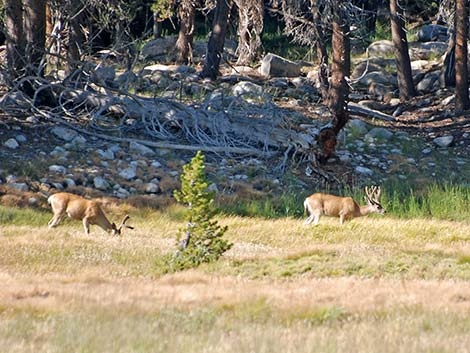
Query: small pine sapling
point(201, 240)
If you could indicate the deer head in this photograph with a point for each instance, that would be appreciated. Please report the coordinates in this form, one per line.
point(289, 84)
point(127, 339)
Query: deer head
point(373, 199)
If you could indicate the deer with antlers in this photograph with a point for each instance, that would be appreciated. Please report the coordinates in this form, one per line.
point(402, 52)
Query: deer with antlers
point(345, 208)
point(78, 208)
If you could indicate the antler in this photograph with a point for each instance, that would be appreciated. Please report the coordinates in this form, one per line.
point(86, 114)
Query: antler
point(373, 193)
point(123, 223)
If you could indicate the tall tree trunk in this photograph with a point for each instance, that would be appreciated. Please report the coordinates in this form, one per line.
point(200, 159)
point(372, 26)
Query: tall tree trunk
point(35, 33)
point(322, 52)
point(339, 89)
point(184, 44)
point(250, 26)
point(447, 74)
point(76, 38)
point(461, 56)
point(402, 57)
point(15, 43)
point(215, 47)
point(157, 26)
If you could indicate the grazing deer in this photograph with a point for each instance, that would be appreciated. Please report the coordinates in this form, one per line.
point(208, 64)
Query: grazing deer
point(78, 208)
point(343, 207)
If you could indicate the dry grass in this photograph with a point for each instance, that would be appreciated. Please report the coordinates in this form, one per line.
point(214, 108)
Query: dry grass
point(375, 284)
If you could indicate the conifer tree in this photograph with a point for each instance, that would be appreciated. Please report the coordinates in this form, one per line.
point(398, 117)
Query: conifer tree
point(201, 240)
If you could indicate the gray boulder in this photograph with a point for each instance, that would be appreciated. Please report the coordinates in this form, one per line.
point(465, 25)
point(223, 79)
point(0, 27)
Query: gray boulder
point(141, 149)
point(381, 48)
point(275, 66)
point(11, 143)
point(432, 32)
point(158, 47)
point(444, 141)
point(429, 83)
point(64, 133)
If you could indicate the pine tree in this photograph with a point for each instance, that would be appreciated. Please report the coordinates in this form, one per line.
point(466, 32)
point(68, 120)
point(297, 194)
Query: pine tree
point(201, 240)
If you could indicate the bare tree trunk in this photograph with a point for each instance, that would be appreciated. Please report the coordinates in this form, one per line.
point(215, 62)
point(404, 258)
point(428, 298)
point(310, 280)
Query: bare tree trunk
point(322, 52)
point(184, 44)
point(76, 36)
point(215, 47)
point(339, 89)
point(15, 43)
point(35, 33)
point(402, 57)
point(157, 26)
point(250, 26)
point(461, 56)
point(447, 75)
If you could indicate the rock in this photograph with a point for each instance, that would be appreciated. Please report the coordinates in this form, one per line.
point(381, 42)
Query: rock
point(448, 100)
point(64, 133)
point(379, 133)
point(100, 183)
point(59, 152)
point(122, 193)
point(11, 143)
point(141, 149)
point(213, 188)
point(364, 171)
point(443, 141)
point(426, 51)
point(275, 66)
point(70, 183)
point(126, 78)
point(108, 154)
point(78, 140)
point(21, 138)
point(357, 127)
point(152, 188)
point(381, 77)
point(128, 173)
point(380, 90)
point(159, 46)
point(381, 48)
point(156, 164)
point(432, 32)
point(19, 186)
point(247, 88)
point(429, 83)
point(58, 169)
point(185, 70)
point(426, 150)
point(103, 74)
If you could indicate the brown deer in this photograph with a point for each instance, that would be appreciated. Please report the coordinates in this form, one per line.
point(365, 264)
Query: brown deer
point(78, 208)
point(345, 208)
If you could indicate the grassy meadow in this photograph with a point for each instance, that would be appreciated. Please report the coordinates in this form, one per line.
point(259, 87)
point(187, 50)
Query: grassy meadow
point(376, 284)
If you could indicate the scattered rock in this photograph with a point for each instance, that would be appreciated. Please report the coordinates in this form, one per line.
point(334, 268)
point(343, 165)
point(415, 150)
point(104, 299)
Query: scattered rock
point(141, 149)
point(100, 183)
point(128, 173)
point(64, 133)
point(433, 32)
point(275, 66)
point(19, 186)
point(152, 188)
point(443, 141)
point(247, 88)
point(364, 171)
point(381, 48)
point(58, 169)
point(379, 133)
point(11, 143)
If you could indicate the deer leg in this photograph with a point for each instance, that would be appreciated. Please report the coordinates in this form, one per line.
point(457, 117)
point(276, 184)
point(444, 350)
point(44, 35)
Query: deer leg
point(86, 225)
point(317, 218)
point(55, 220)
point(309, 220)
point(341, 218)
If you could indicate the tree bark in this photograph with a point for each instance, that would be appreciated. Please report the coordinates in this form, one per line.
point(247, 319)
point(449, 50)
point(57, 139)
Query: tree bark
point(250, 26)
point(76, 36)
point(322, 52)
point(157, 26)
point(215, 47)
point(339, 89)
point(184, 44)
point(35, 34)
point(402, 57)
point(462, 101)
point(15, 43)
